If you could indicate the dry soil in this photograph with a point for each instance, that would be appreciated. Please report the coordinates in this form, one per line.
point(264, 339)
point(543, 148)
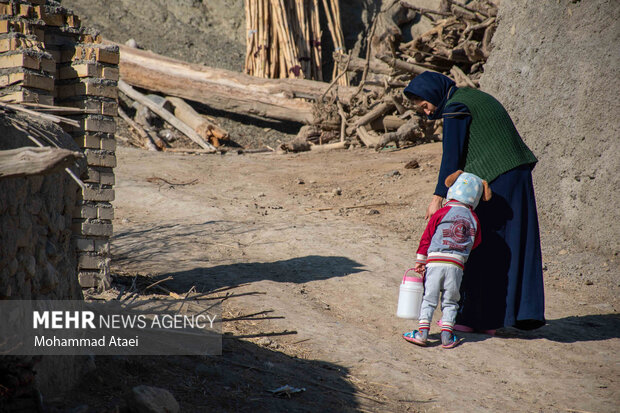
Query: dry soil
point(321, 280)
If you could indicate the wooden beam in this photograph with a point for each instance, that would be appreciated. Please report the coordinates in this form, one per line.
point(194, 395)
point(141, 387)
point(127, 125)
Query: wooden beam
point(223, 89)
point(35, 161)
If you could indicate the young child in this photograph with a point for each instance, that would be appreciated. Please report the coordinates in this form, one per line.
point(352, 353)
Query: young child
point(451, 234)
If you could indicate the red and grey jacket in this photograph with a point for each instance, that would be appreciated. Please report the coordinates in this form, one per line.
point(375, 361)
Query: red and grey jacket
point(451, 234)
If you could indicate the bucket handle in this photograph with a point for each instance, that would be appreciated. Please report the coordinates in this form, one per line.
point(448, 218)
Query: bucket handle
point(417, 275)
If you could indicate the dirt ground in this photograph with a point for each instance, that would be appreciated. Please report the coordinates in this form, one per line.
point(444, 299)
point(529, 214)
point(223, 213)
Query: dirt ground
point(310, 295)
point(312, 290)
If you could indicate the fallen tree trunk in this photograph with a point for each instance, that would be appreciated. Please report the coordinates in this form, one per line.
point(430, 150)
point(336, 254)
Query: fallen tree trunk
point(35, 161)
point(224, 89)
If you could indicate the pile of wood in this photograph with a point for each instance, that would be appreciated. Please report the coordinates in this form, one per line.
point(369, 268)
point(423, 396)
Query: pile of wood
point(284, 38)
point(457, 45)
point(372, 113)
point(161, 124)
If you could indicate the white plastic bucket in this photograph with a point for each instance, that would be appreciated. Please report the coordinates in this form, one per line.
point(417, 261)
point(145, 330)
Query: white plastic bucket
point(410, 296)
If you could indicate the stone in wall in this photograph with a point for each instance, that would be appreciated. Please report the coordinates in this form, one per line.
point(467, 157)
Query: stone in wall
point(37, 247)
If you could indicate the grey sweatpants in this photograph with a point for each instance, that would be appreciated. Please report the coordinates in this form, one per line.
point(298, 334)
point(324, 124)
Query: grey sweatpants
point(444, 280)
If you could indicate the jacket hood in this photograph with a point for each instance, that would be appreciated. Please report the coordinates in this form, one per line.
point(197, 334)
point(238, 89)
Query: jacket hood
point(467, 189)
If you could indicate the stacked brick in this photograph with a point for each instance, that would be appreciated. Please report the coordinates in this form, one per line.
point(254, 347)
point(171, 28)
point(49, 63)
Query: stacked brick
point(26, 69)
point(46, 57)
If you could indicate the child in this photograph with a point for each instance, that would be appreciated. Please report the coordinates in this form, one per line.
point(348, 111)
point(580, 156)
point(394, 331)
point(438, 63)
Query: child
point(451, 234)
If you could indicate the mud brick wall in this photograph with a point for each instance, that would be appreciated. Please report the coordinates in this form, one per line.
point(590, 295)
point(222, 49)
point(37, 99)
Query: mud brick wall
point(37, 258)
point(37, 247)
point(46, 57)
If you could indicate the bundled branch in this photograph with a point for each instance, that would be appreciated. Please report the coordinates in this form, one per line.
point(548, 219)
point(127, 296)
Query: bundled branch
point(332, 11)
point(284, 38)
point(280, 39)
point(457, 45)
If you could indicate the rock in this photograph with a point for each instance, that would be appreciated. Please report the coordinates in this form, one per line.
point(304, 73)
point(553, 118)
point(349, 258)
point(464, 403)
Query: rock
point(131, 43)
point(392, 173)
point(372, 212)
point(147, 399)
point(300, 181)
point(264, 341)
point(30, 265)
point(50, 279)
point(167, 135)
point(337, 191)
point(413, 164)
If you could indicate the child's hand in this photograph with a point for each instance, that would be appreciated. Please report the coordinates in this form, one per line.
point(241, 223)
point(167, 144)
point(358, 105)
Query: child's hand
point(419, 268)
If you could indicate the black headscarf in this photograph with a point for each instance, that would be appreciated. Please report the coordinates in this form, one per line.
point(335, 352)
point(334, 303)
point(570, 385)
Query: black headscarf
point(432, 87)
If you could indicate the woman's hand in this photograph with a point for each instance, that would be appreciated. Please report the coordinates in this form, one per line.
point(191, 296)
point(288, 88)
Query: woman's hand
point(434, 206)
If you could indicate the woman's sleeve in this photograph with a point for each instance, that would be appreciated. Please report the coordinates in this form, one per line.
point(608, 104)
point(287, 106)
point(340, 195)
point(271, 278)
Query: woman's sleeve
point(456, 120)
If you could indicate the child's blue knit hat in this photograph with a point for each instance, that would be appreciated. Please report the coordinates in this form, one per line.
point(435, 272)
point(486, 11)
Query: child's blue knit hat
point(467, 189)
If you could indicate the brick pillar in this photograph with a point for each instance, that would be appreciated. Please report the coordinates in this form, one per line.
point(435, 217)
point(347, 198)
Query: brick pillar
point(87, 79)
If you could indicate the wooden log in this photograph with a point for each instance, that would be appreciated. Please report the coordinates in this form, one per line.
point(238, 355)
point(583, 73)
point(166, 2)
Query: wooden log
point(329, 146)
point(422, 10)
point(389, 122)
point(486, 40)
point(343, 121)
point(378, 111)
point(482, 25)
point(35, 161)
point(224, 89)
point(367, 139)
point(357, 64)
point(407, 132)
point(461, 78)
point(202, 126)
point(165, 115)
point(402, 65)
point(470, 9)
point(147, 139)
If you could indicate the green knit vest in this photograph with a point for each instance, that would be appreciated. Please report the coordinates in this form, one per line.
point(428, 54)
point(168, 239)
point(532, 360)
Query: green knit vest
point(494, 145)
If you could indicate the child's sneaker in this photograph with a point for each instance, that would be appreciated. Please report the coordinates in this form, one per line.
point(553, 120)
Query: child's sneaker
point(417, 337)
point(449, 340)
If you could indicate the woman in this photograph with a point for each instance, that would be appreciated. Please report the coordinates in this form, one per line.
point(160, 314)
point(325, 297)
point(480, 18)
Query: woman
point(503, 284)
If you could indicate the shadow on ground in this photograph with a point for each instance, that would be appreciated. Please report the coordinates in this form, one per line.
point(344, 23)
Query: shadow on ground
point(594, 327)
point(240, 380)
point(294, 270)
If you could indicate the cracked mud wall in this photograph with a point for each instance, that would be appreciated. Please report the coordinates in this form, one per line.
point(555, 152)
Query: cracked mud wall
point(555, 67)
